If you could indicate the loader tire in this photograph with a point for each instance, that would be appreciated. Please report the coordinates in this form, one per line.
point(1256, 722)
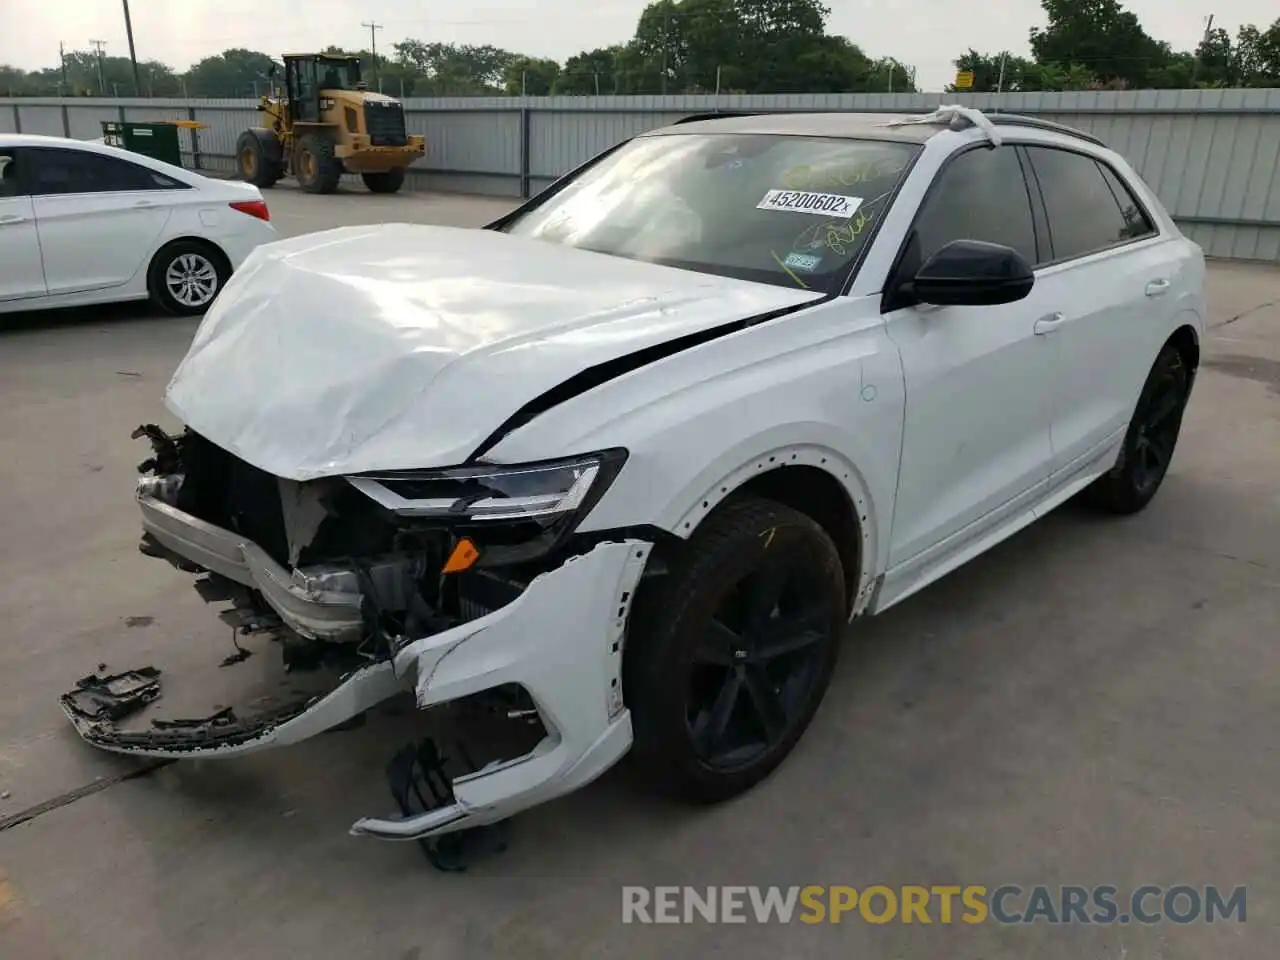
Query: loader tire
point(253, 162)
point(387, 182)
point(315, 166)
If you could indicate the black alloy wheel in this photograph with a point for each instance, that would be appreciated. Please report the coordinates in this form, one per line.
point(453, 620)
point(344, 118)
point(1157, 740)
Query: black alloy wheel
point(729, 653)
point(1150, 441)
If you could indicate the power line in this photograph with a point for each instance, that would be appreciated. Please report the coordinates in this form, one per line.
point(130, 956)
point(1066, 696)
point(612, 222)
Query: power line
point(373, 49)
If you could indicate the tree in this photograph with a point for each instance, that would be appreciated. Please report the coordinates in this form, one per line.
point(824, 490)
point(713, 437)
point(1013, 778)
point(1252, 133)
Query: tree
point(1256, 58)
point(1099, 35)
point(592, 72)
point(233, 73)
point(527, 76)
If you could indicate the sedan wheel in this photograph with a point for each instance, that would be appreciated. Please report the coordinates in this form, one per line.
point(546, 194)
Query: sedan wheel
point(729, 652)
point(186, 277)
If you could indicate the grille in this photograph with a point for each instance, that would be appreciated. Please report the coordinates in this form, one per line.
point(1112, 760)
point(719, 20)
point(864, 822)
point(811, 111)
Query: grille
point(385, 123)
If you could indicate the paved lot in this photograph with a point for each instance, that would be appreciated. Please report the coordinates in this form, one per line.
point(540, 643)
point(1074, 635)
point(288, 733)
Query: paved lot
point(1095, 702)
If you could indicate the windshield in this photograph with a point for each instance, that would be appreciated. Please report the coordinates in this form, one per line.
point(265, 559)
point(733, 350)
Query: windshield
point(792, 211)
point(338, 74)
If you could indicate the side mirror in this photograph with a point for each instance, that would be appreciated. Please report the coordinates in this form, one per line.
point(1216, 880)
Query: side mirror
point(972, 273)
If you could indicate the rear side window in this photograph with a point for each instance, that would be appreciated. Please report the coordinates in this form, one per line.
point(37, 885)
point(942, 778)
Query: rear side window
point(54, 171)
point(1082, 207)
point(1136, 220)
point(980, 195)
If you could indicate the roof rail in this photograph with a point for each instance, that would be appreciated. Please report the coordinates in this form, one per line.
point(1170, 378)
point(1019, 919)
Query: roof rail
point(717, 115)
point(1039, 123)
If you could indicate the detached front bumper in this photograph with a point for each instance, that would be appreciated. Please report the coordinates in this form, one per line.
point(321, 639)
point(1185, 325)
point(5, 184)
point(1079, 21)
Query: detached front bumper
point(560, 641)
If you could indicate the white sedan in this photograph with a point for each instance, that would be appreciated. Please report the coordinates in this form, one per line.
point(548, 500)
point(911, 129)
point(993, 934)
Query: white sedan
point(618, 470)
point(82, 223)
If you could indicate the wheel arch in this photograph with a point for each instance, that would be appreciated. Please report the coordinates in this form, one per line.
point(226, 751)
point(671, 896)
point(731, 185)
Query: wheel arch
point(205, 242)
point(816, 481)
point(1186, 341)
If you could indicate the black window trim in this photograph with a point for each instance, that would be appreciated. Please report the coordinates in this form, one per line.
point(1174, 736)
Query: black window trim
point(888, 290)
point(33, 151)
point(1030, 170)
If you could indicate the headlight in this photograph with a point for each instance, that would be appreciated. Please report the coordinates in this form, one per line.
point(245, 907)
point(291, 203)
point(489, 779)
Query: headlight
point(549, 494)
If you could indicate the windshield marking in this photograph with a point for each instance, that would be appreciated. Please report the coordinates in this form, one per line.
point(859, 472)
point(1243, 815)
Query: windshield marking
point(788, 271)
point(803, 177)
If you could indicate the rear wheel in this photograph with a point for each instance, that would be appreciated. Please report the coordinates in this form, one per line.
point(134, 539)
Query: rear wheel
point(1150, 440)
point(253, 163)
point(729, 653)
point(387, 182)
point(185, 277)
point(314, 165)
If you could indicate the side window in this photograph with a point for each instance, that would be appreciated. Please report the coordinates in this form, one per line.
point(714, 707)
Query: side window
point(79, 171)
point(1084, 215)
point(9, 175)
point(1136, 221)
point(980, 195)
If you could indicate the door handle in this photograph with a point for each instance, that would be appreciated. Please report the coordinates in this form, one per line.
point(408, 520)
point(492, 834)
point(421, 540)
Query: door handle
point(12, 218)
point(145, 203)
point(1049, 323)
point(1157, 287)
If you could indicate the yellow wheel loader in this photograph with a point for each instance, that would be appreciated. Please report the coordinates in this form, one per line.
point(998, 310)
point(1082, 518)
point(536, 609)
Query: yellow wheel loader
point(327, 123)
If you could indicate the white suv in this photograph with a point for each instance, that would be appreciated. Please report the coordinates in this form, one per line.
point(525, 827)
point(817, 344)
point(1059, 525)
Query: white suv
point(614, 473)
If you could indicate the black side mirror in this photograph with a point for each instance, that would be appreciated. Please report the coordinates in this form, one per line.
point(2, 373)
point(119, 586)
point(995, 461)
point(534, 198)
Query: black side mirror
point(972, 273)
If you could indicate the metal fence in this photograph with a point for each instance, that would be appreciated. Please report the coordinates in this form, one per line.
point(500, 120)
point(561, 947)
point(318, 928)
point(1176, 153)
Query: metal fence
point(1211, 155)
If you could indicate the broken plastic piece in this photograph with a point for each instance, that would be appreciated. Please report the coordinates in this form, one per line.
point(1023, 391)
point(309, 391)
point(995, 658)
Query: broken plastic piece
point(419, 785)
point(957, 117)
point(115, 697)
point(462, 558)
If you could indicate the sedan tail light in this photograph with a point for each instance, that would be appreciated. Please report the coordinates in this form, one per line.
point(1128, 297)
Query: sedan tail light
point(254, 208)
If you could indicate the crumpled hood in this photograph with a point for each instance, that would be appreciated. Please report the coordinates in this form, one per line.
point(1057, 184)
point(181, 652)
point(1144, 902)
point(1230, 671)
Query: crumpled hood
point(400, 346)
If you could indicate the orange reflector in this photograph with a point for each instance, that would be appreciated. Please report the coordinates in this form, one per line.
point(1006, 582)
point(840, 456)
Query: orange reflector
point(463, 556)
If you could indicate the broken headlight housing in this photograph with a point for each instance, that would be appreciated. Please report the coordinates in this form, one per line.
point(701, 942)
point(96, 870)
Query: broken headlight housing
point(513, 512)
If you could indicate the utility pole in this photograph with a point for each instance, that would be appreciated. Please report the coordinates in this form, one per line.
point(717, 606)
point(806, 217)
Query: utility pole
point(62, 62)
point(102, 85)
point(1204, 42)
point(133, 57)
point(373, 49)
point(1000, 83)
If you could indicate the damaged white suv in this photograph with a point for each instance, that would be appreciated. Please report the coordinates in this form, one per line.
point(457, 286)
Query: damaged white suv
point(614, 473)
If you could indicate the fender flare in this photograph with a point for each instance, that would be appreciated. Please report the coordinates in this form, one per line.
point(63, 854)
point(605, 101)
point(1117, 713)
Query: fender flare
point(707, 496)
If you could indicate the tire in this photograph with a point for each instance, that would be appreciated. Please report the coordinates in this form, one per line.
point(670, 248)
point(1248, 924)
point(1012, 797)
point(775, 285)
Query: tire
point(678, 665)
point(1149, 442)
point(252, 162)
point(186, 277)
point(314, 165)
point(388, 182)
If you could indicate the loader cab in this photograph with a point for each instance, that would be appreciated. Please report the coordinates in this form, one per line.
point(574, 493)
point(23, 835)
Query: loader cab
point(306, 76)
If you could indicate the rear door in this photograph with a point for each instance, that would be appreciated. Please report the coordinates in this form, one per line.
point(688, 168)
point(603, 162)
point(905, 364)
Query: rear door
point(1111, 273)
point(21, 272)
point(98, 216)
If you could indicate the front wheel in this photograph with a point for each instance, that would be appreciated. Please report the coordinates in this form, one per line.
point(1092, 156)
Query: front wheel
point(315, 167)
point(729, 653)
point(185, 277)
point(388, 181)
point(1150, 440)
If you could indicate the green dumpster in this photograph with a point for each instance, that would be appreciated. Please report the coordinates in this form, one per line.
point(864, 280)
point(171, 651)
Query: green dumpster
point(156, 140)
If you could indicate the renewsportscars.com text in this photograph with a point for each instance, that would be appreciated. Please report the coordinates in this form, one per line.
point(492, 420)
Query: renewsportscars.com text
point(946, 904)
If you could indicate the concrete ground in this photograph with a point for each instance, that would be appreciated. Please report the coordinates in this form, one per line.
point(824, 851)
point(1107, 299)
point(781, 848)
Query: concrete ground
point(1094, 702)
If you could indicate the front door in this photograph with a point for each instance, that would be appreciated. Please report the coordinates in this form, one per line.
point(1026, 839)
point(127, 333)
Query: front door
point(979, 381)
point(21, 270)
point(99, 218)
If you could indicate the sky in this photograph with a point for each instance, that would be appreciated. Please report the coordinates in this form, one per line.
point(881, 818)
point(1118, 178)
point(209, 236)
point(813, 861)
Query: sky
point(926, 34)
